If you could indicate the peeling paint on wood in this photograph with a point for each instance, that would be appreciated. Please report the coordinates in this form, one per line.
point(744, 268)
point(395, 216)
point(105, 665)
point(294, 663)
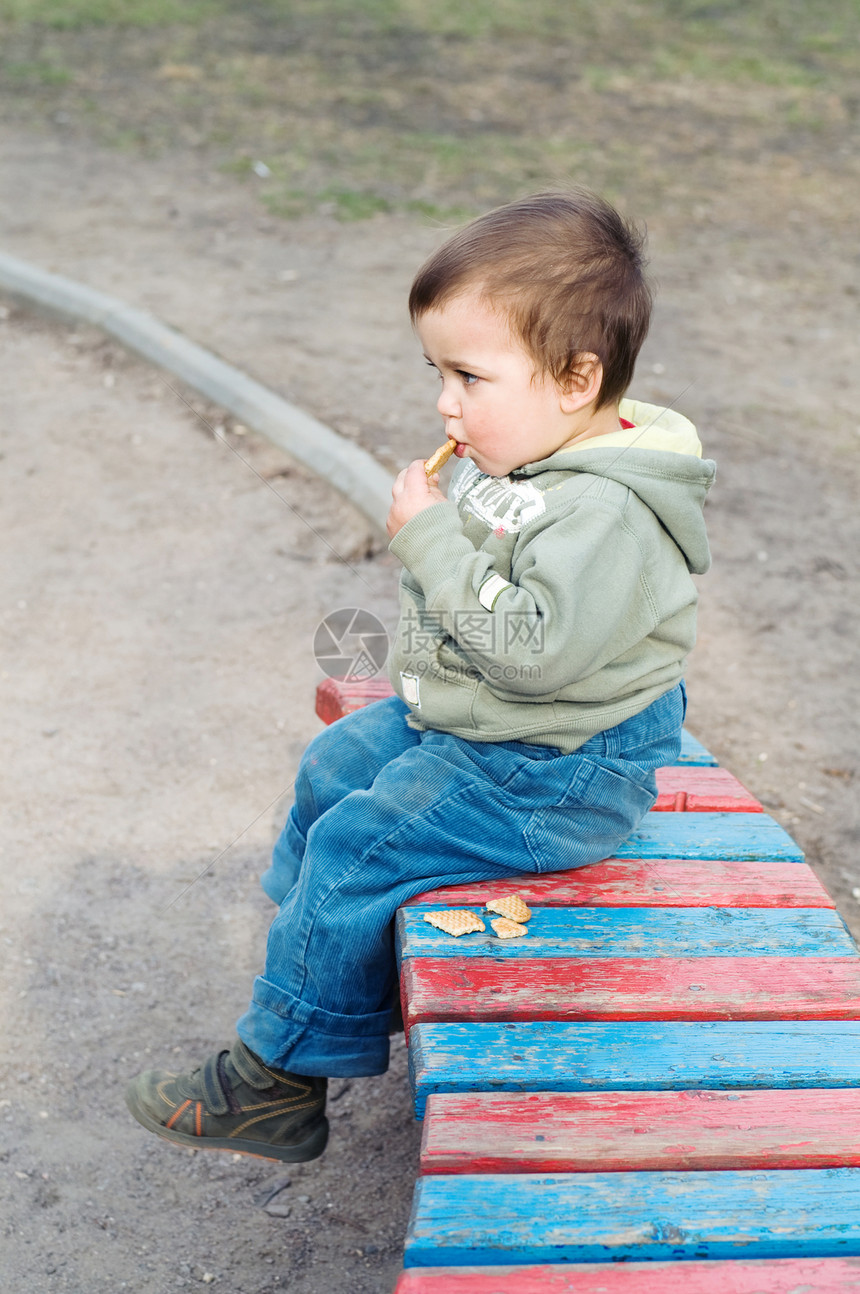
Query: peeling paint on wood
point(640, 932)
point(634, 988)
point(690, 789)
point(735, 1276)
point(592, 1217)
point(537, 1132)
point(564, 1057)
point(336, 698)
point(658, 883)
point(710, 835)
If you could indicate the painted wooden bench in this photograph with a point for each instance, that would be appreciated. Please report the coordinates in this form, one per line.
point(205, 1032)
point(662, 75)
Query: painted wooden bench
point(782, 1276)
point(658, 1088)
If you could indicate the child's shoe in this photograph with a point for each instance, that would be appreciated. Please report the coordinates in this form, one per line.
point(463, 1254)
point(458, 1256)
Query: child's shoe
point(235, 1102)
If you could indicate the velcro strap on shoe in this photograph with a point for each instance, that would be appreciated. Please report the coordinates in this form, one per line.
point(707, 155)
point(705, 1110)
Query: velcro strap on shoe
point(252, 1070)
point(215, 1098)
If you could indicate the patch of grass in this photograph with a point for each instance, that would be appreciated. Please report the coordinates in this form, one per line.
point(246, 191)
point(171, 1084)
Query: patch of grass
point(69, 15)
point(432, 212)
point(445, 19)
point(37, 73)
point(343, 203)
point(288, 203)
point(365, 106)
point(353, 204)
point(733, 66)
point(242, 166)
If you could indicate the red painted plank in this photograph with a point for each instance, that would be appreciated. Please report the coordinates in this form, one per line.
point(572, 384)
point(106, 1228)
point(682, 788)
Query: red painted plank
point(336, 697)
point(766, 1276)
point(507, 1132)
point(688, 789)
point(655, 883)
point(486, 989)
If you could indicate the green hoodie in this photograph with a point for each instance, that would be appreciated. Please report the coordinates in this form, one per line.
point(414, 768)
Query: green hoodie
point(550, 604)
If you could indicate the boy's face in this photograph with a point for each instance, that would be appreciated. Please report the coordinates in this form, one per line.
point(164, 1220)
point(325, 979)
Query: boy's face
point(501, 415)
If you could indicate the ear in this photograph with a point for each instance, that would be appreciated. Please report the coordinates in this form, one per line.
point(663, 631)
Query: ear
point(583, 382)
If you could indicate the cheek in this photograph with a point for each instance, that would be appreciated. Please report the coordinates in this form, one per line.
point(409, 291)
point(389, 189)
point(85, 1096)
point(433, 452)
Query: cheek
point(494, 415)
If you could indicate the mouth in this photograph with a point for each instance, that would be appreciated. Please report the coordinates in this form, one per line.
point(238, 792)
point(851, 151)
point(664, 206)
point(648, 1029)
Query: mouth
point(460, 450)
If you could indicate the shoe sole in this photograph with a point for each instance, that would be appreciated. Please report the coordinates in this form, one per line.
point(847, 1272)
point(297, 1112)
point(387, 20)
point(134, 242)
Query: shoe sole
point(311, 1148)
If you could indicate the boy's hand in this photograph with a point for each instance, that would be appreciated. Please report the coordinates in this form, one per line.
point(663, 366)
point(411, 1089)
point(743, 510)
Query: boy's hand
point(412, 493)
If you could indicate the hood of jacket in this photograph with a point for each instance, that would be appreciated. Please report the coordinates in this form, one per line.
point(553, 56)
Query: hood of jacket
point(655, 456)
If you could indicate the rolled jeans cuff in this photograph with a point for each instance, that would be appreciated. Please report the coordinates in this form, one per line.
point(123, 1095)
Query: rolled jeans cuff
point(288, 1034)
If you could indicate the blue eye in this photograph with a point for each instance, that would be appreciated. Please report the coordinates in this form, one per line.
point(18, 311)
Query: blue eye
point(468, 379)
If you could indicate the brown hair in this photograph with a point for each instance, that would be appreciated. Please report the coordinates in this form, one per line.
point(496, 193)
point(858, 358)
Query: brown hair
point(566, 269)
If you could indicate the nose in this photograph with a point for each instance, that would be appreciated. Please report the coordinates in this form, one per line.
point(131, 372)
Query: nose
point(448, 403)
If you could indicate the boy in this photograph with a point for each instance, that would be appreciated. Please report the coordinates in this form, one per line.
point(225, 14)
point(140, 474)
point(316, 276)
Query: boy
point(546, 612)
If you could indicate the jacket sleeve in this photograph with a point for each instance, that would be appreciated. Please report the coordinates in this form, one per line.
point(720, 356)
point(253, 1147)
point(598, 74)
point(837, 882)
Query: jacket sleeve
point(577, 596)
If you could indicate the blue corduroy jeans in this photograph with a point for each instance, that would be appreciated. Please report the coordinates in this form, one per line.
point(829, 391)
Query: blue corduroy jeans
point(383, 812)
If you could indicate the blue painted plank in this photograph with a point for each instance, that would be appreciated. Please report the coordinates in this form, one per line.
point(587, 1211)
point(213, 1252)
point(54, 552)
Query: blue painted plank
point(726, 836)
point(639, 932)
point(547, 1056)
point(693, 752)
point(495, 1219)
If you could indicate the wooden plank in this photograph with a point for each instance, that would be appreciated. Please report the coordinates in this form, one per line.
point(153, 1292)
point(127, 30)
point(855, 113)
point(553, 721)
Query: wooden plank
point(693, 752)
point(544, 1132)
point(710, 835)
point(589, 1217)
point(659, 882)
point(733, 1276)
point(640, 932)
point(337, 697)
point(550, 1056)
point(630, 988)
point(690, 789)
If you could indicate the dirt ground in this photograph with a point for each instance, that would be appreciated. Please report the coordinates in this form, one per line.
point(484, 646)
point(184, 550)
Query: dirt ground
point(159, 602)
